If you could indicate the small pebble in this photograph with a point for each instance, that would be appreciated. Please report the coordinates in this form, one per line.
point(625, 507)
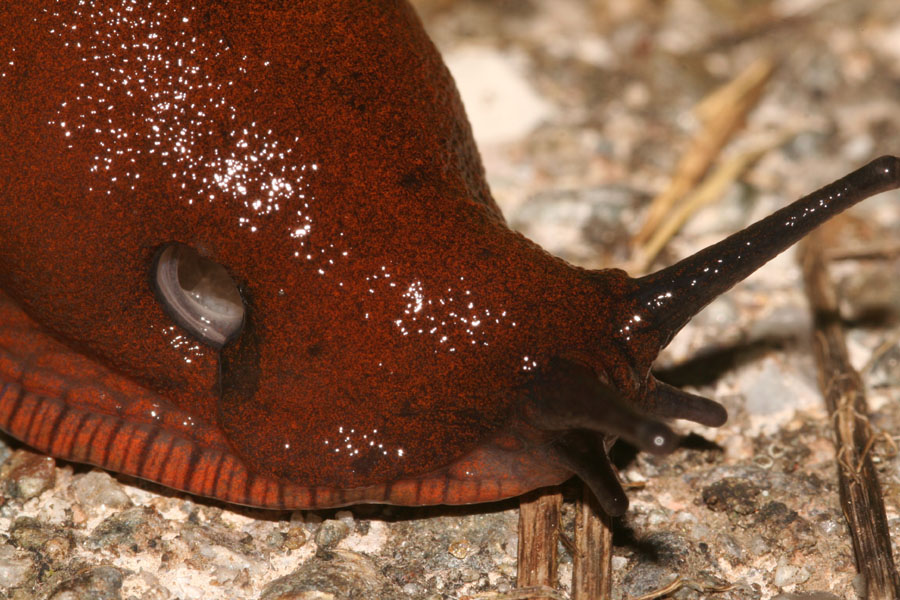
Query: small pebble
point(459, 548)
point(731, 494)
point(275, 539)
point(331, 532)
point(15, 567)
point(25, 475)
point(97, 489)
point(341, 575)
point(295, 538)
point(31, 534)
point(344, 515)
point(97, 583)
point(134, 527)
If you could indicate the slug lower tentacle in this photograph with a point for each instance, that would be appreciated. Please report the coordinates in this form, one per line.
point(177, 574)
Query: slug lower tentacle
point(586, 415)
point(568, 396)
point(585, 453)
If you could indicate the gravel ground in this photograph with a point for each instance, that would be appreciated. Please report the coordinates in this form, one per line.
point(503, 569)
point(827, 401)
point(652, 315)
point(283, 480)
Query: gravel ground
point(582, 109)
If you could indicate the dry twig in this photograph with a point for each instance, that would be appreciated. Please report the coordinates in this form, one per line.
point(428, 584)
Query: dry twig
point(539, 516)
point(592, 569)
point(861, 498)
point(679, 583)
point(527, 593)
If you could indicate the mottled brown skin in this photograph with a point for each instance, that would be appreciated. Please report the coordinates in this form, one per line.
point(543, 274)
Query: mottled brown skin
point(400, 344)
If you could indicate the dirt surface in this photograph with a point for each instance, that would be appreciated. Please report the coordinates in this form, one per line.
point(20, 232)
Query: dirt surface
point(582, 110)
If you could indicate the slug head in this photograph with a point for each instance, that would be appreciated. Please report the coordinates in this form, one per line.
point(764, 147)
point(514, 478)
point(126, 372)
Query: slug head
point(585, 394)
point(612, 393)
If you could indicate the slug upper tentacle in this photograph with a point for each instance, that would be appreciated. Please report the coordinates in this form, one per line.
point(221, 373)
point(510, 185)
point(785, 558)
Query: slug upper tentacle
point(670, 297)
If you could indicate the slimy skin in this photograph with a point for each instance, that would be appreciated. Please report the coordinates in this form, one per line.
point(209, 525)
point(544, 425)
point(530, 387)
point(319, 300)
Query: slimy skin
point(247, 251)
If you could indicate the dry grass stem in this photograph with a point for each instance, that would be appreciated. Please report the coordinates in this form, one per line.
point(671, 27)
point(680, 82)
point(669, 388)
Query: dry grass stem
point(723, 112)
point(712, 189)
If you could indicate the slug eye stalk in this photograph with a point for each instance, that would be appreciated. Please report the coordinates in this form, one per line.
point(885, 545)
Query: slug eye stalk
point(669, 298)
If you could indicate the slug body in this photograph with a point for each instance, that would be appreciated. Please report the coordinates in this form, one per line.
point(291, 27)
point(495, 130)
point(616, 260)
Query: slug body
point(387, 337)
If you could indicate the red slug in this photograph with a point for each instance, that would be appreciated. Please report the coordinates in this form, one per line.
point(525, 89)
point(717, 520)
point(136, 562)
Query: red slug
point(247, 251)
